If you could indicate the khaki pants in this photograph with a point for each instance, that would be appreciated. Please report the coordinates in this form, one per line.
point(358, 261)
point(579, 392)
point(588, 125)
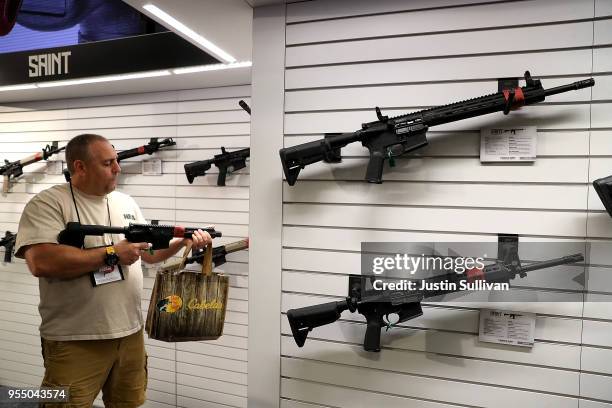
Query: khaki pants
point(118, 367)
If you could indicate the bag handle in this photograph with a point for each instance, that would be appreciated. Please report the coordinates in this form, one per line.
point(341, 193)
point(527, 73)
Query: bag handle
point(185, 255)
point(207, 261)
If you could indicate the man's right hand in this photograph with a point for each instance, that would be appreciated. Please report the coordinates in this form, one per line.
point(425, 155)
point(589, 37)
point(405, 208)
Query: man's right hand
point(129, 252)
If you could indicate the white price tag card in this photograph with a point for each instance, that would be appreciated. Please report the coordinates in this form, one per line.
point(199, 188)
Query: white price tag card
point(54, 167)
point(507, 327)
point(152, 167)
point(508, 144)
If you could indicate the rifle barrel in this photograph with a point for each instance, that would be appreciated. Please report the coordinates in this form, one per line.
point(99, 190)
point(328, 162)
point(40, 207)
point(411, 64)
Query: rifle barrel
point(553, 262)
point(574, 86)
point(150, 148)
point(220, 251)
point(237, 246)
point(244, 106)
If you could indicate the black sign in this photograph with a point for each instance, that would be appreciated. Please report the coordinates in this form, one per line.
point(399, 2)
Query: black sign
point(122, 56)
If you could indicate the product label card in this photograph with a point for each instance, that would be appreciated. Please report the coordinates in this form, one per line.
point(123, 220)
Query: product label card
point(152, 167)
point(54, 167)
point(508, 144)
point(507, 327)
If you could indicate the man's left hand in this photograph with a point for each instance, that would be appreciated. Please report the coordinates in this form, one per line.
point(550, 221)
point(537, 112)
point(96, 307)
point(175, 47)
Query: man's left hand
point(199, 239)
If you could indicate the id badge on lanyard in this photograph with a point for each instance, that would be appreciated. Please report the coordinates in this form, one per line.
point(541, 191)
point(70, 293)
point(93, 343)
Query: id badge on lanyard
point(107, 274)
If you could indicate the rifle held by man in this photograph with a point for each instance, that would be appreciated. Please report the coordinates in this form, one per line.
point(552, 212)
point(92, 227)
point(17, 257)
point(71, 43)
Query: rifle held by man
point(15, 169)
point(8, 242)
point(388, 138)
point(158, 236)
point(406, 304)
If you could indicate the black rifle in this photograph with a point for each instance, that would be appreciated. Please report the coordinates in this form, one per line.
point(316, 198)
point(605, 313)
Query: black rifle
point(388, 138)
point(603, 186)
point(8, 242)
point(150, 148)
point(406, 304)
point(219, 253)
point(158, 235)
point(226, 162)
point(15, 169)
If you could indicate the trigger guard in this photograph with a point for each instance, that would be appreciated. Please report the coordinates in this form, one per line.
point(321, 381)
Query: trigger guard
point(396, 150)
point(388, 322)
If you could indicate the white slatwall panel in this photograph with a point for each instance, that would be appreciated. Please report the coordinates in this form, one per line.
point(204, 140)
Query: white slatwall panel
point(201, 121)
point(344, 57)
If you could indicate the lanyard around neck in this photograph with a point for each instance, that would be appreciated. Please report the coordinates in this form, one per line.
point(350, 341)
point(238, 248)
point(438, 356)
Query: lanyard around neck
point(77, 209)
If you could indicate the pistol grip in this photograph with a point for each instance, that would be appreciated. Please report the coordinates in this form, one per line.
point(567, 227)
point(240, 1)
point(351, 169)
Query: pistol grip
point(371, 341)
point(221, 177)
point(375, 167)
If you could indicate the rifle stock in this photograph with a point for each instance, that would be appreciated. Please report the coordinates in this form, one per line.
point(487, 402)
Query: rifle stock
point(603, 187)
point(304, 319)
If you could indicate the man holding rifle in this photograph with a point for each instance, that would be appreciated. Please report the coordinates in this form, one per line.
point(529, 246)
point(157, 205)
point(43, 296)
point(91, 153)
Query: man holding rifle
point(90, 297)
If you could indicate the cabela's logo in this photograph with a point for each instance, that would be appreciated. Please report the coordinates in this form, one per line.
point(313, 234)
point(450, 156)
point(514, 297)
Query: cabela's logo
point(173, 303)
point(170, 304)
point(195, 305)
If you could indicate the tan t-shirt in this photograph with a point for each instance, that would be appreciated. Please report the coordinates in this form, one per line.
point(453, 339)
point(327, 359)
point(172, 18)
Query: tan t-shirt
point(73, 309)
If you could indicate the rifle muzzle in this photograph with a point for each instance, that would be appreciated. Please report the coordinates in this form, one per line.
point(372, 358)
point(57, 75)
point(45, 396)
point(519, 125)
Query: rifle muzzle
point(574, 86)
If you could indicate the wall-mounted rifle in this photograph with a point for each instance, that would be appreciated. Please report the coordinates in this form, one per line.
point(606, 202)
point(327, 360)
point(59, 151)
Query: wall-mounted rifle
point(226, 162)
point(15, 169)
point(388, 138)
point(150, 148)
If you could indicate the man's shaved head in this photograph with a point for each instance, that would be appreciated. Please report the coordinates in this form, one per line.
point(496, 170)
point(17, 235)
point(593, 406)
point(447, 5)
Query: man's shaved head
point(78, 148)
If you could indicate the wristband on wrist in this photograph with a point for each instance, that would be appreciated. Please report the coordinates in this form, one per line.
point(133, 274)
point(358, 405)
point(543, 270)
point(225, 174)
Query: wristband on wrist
point(111, 258)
